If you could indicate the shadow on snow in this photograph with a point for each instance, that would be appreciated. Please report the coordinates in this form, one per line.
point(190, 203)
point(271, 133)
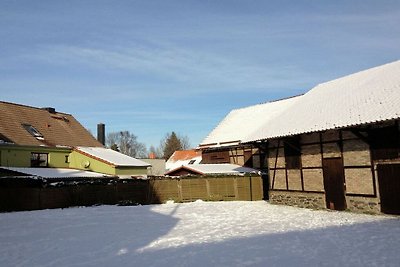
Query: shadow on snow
point(101, 236)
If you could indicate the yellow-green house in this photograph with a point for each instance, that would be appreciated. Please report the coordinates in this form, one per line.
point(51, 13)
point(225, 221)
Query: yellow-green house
point(106, 161)
point(33, 137)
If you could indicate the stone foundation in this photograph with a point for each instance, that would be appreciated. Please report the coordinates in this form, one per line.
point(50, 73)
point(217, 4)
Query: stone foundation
point(363, 204)
point(368, 205)
point(298, 199)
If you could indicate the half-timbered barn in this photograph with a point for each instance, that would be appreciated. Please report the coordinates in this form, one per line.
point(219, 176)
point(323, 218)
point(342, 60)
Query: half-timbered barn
point(337, 146)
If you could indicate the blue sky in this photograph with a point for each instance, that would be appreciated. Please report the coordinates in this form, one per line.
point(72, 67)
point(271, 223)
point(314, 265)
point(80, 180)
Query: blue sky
point(153, 67)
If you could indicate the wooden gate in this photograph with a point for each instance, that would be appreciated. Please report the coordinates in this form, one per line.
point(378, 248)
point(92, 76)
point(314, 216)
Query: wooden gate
point(334, 183)
point(389, 187)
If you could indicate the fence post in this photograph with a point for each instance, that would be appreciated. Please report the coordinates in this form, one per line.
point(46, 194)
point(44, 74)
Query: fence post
point(251, 189)
point(180, 194)
point(235, 188)
point(208, 189)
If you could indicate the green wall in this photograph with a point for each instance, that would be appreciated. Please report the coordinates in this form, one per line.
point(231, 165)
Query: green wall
point(20, 156)
point(131, 171)
point(83, 162)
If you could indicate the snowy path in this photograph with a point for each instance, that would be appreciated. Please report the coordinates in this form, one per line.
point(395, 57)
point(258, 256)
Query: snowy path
point(198, 234)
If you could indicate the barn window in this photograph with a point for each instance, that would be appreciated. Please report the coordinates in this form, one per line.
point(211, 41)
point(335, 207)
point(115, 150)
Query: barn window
point(248, 159)
point(385, 143)
point(39, 159)
point(292, 153)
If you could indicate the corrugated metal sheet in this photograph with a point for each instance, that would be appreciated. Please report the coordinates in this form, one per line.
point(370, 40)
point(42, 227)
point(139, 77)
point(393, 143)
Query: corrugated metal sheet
point(365, 97)
point(111, 156)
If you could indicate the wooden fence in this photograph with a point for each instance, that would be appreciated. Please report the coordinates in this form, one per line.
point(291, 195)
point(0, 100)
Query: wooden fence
point(26, 194)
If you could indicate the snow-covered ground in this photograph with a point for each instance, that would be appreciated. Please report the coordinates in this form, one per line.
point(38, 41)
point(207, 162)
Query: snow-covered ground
point(198, 234)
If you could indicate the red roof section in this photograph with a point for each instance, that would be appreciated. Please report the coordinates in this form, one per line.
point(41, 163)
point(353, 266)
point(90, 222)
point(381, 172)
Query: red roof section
point(184, 155)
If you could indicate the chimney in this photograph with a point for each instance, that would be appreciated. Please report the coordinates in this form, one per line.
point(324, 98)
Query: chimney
point(101, 133)
point(50, 110)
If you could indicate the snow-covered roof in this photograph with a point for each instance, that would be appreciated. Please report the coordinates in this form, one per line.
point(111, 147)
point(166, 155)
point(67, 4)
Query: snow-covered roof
point(365, 97)
point(368, 96)
point(56, 172)
point(240, 123)
point(224, 168)
point(183, 157)
point(111, 156)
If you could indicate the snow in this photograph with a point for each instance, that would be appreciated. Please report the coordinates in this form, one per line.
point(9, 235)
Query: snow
point(198, 234)
point(183, 157)
point(56, 172)
point(240, 123)
point(221, 168)
point(368, 96)
point(111, 156)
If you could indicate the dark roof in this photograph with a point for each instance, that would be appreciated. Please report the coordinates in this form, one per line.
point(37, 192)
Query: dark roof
point(50, 128)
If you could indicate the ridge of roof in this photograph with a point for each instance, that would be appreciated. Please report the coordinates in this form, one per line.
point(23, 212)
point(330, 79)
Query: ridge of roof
point(54, 128)
point(27, 106)
point(368, 96)
point(364, 97)
point(360, 72)
point(268, 102)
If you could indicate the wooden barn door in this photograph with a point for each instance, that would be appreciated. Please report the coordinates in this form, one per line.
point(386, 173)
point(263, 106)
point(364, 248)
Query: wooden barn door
point(389, 187)
point(334, 183)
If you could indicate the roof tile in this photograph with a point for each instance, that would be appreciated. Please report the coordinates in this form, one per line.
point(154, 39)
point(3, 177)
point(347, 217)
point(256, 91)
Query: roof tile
point(58, 129)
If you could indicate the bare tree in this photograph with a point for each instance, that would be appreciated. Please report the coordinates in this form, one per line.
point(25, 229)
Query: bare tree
point(184, 142)
point(126, 143)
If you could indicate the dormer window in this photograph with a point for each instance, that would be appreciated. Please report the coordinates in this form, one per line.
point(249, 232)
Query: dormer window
point(33, 131)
